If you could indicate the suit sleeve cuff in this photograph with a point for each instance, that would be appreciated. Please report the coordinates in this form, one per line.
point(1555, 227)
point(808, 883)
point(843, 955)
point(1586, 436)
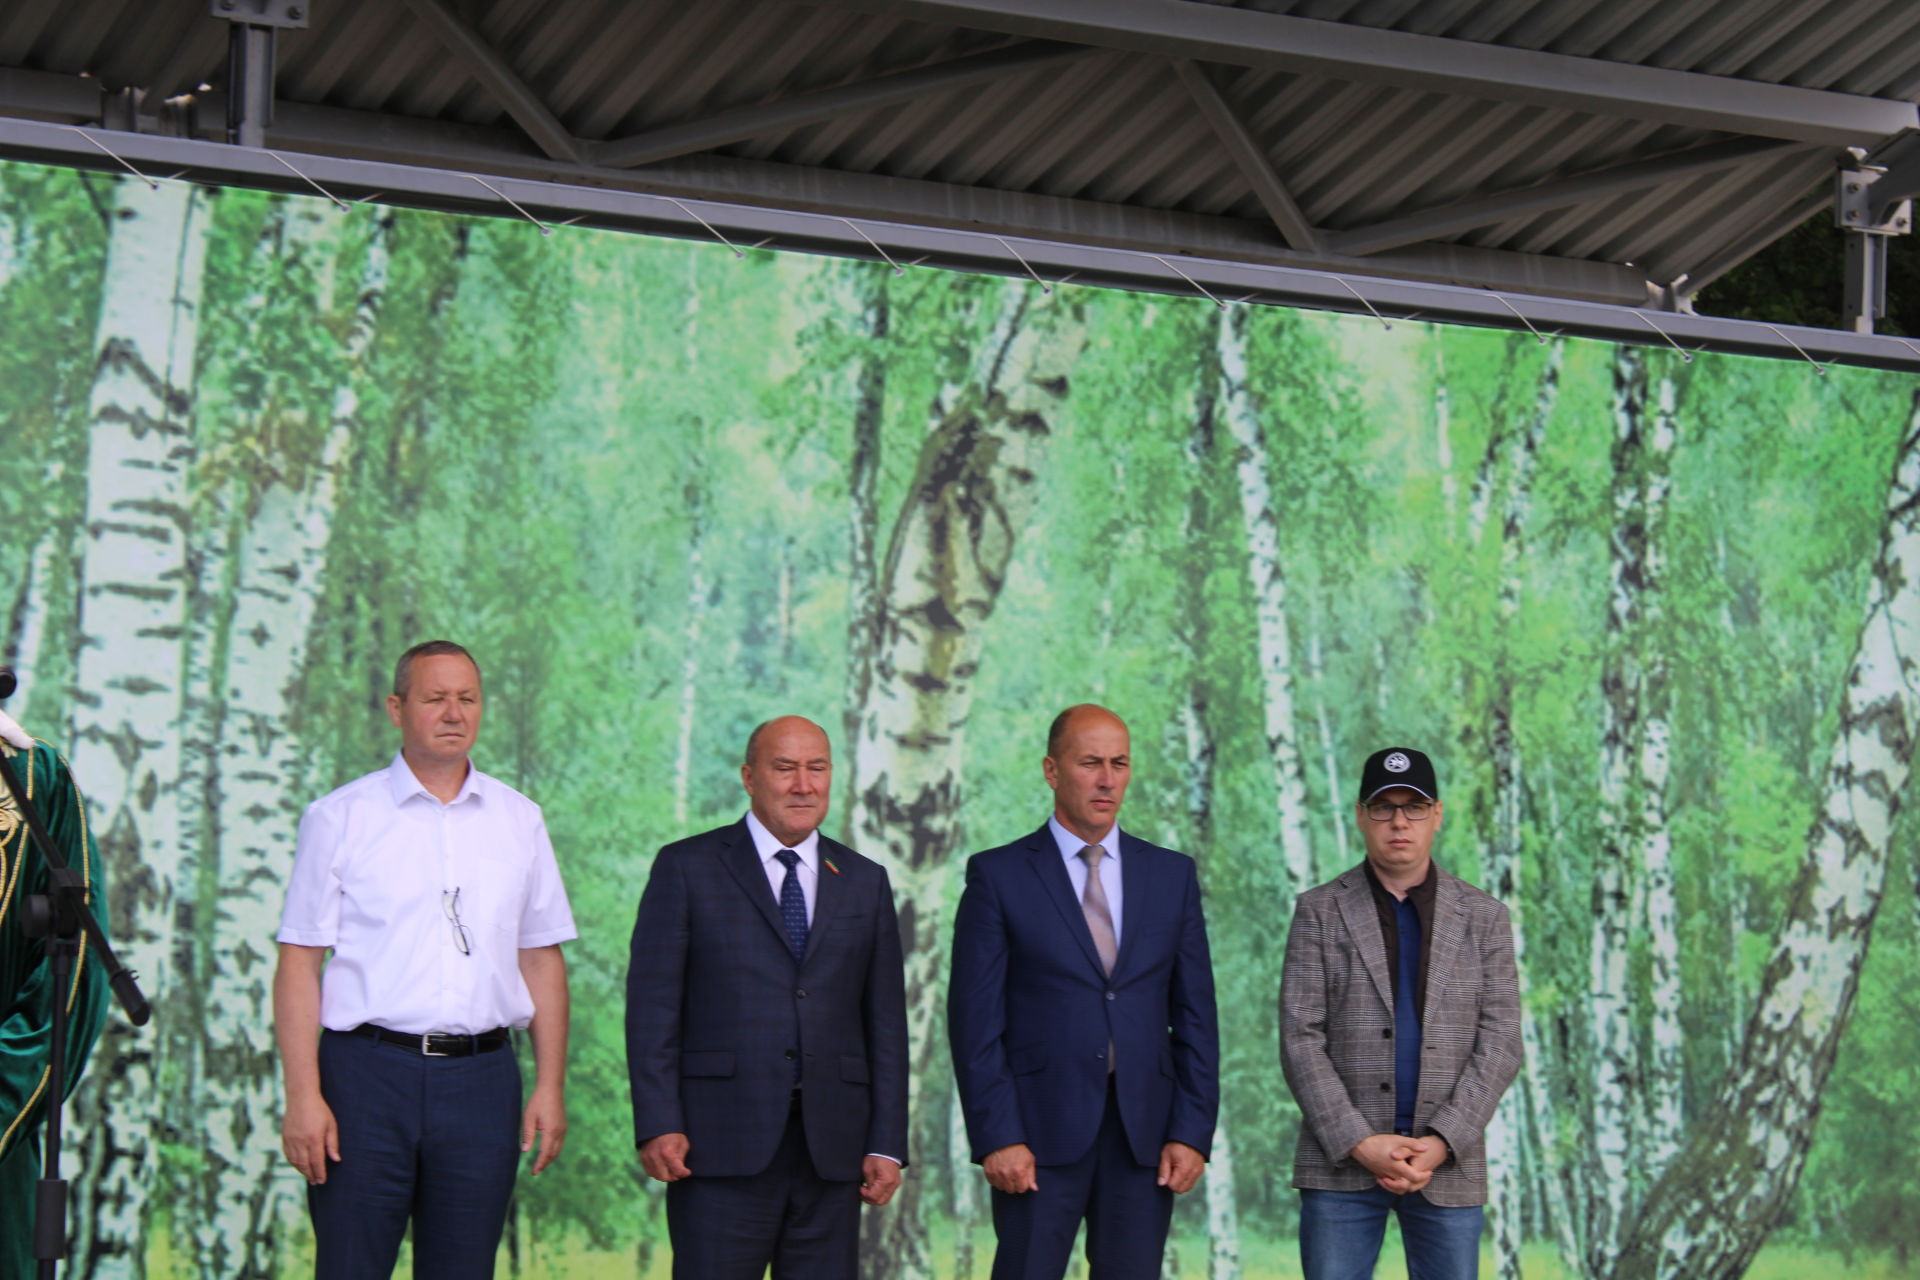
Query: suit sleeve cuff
point(881, 1155)
point(1454, 1127)
point(1340, 1142)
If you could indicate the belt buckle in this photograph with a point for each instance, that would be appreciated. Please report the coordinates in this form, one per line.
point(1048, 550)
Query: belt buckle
point(426, 1046)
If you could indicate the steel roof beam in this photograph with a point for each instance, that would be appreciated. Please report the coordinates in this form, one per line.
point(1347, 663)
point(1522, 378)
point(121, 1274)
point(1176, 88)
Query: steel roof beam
point(47, 95)
point(498, 78)
point(1613, 180)
point(742, 123)
point(966, 249)
point(475, 149)
point(1901, 181)
point(1249, 38)
point(1249, 157)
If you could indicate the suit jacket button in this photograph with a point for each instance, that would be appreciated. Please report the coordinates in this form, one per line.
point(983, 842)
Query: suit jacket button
point(789, 1055)
point(800, 995)
point(1385, 1087)
point(1100, 1053)
point(1109, 995)
point(1386, 1033)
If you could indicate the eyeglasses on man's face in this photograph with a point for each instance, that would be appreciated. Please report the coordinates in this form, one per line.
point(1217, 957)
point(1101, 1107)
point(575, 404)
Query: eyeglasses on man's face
point(1417, 811)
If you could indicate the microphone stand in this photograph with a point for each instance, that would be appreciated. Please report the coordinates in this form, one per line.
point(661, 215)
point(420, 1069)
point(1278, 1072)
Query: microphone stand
point(61, 916)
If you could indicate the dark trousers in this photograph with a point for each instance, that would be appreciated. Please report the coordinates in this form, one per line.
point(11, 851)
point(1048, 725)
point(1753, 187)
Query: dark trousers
point(786, 1215)
point(434, 1140)
point(1126, 1210)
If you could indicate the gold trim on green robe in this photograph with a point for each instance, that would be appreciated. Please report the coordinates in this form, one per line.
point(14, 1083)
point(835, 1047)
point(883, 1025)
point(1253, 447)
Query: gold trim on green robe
point(26, 998)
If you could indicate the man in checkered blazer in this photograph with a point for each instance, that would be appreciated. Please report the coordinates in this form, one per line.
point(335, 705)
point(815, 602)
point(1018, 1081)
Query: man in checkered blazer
point(1399, 1031)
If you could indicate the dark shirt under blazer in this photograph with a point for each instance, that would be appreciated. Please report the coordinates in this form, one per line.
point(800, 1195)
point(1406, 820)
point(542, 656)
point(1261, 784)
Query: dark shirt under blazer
point(1336, 1032)
point(717, 1010)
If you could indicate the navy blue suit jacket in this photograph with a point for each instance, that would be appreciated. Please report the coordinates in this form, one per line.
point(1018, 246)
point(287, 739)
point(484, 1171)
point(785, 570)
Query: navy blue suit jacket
point(1030, 1012)
point(718, 1011)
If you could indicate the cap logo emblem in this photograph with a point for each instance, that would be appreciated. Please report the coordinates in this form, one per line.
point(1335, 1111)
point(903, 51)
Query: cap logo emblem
point(1396, 763)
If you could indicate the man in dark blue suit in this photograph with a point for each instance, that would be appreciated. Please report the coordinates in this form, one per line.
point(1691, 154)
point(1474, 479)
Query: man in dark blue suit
point(767, 1030)
point(1082, 1019)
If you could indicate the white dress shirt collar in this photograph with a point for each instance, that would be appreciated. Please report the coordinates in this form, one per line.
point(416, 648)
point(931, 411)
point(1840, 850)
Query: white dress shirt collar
point(406, 784)
point(1071, 844)
point(766, 844)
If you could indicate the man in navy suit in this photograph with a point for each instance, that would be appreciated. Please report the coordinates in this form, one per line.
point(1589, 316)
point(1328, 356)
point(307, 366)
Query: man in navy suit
point(767, 1030)
point(1082, 1020)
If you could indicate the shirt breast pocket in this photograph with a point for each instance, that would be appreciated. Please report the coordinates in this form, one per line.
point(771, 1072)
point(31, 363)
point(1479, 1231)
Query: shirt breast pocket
point(491, 899)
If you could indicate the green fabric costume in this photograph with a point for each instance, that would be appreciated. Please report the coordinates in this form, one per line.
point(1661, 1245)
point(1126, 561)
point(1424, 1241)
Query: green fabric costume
point(26, 995)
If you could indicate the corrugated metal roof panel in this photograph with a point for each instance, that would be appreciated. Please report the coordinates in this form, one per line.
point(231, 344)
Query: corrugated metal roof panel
point(1113, 130)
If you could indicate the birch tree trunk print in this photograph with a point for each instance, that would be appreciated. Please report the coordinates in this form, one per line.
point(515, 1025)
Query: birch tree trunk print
point(1523, 1117)
point(223, 451)
point(863, 519)
point(282, 560)
point(132, 618)
point(1196, 732)
point(1329, 758)
point(1724, 1191)
point(1266, 575)
point(27, 630)
point(975, 488)
point(509, 461)
point(1633, 772)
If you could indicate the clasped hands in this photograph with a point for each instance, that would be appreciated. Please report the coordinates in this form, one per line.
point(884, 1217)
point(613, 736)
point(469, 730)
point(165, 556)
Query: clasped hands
point(1398, 1164)
point(1012, 1169)
point(665, 1160)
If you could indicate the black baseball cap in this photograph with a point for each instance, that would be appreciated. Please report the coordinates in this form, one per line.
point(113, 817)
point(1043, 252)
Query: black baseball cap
point(1398, 767)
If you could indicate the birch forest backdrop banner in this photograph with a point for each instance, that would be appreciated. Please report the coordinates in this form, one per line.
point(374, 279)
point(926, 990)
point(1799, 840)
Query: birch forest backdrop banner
point(1656, 620)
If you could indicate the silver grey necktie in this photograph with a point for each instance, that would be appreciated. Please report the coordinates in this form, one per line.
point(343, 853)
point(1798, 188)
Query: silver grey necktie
point(1093, 903)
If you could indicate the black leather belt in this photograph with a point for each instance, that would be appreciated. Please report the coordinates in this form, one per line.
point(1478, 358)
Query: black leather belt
point(436, 1044)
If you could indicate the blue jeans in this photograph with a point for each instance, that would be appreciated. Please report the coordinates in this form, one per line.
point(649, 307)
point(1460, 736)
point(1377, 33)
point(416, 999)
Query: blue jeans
point(1340, 1234)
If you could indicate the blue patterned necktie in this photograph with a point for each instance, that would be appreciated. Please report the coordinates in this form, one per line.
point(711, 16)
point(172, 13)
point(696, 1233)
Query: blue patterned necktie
point(793, 904)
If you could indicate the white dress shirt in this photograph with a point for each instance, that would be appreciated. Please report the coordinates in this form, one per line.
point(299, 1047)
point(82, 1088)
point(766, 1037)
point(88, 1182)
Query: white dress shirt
point(808, 868)
point(374, 875)
point(1070, 847)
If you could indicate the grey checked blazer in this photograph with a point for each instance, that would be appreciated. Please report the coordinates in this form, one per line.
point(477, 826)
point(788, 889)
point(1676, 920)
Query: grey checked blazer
point(1336, 1032)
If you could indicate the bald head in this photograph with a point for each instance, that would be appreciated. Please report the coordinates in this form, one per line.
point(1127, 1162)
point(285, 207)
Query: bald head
point(777, 726)
point(788, 774)
point(1080, 714)
point(1088, 765)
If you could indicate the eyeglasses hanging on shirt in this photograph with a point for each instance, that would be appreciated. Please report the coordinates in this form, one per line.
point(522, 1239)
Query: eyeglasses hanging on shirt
point(450, 904)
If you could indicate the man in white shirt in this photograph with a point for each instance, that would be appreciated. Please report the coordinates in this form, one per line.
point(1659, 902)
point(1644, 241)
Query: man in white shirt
point(434, 887)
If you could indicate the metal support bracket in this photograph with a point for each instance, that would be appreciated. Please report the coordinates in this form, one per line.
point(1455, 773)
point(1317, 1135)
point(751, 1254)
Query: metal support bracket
point(1864, 302)
point(250, 56)
point(290, 15)
point(1853, 204)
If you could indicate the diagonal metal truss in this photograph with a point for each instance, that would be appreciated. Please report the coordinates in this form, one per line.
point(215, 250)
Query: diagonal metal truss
point(1196, 131)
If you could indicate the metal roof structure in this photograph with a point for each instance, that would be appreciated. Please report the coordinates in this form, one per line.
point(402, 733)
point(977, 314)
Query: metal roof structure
point(1552, 159)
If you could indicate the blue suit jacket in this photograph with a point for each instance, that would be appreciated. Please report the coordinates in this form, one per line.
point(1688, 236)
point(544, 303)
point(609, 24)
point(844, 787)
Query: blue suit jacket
point(1030, 1013)
point(717, 1010)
